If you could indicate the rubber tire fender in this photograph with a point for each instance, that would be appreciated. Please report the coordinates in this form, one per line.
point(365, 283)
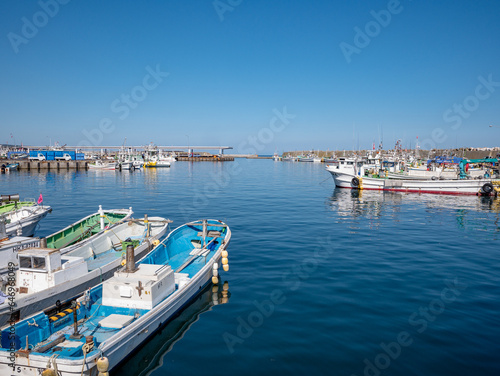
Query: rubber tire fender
point(355, 182)
point(487, 188)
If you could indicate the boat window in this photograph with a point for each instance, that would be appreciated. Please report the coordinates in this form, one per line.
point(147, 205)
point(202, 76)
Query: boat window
point(25, 262)
point(39, 263)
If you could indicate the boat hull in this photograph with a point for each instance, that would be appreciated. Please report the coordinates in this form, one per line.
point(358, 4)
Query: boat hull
point(28, 220)
point(450, 187)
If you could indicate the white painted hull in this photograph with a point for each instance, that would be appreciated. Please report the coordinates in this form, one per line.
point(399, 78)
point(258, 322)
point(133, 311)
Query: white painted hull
point(452, 186)
point(25, 220)
point(102, 166)
point(118, 347)
point(126, 165)
point(168, 160)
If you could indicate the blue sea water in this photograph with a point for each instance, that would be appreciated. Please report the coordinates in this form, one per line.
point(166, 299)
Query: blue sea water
point(322, 281)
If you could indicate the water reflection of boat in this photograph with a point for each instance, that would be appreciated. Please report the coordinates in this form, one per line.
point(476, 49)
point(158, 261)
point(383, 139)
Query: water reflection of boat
point(150, 357)
point(372, 203)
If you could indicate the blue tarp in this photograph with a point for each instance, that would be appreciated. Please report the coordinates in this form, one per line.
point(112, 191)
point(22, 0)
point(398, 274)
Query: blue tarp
point(444, 159)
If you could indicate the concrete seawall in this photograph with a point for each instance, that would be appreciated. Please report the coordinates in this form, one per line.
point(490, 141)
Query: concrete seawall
point(48, 165)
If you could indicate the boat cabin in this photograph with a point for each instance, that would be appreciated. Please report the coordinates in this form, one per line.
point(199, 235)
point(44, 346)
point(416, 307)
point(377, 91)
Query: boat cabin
point(41, 268)
point(349, 165)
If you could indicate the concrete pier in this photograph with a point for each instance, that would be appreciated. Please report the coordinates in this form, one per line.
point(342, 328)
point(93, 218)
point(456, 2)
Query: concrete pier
point(83, 165)
point(47, 165)
point(206, 159)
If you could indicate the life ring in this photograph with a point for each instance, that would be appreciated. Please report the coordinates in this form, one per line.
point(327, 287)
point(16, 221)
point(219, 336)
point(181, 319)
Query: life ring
point(355, 182)
point(487, 188)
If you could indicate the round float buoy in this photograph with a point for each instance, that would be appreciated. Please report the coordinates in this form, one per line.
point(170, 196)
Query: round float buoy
point(224, 253)
point(225, 261)
point(49, 372)
point(225, 267)
point(156, 242)
point(215, 280)
point(103, 366)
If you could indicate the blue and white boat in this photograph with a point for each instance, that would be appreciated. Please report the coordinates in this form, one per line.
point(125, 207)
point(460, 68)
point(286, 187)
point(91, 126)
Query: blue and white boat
point(111, 320)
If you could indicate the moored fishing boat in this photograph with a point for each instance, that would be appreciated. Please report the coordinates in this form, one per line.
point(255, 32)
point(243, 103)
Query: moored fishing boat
point(114, 318)
point(11, 167)
point(351, 174)
point(22, 217)
point(156, 162)
point(100, 165)
point(126, 165)
point(86, 229)
point(47, 276)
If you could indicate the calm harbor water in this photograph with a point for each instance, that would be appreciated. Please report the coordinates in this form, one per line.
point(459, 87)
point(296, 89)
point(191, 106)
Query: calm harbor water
point(321, 281)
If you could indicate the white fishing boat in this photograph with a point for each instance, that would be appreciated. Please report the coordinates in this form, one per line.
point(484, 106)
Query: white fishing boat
point(305, 159)
point(108, 322)
point(170, 158)
point(101, 165)
point(126, 165)
point(155, 161)
point(351, 173)
point(21, 217)
point(289, 158)
point(47, 276)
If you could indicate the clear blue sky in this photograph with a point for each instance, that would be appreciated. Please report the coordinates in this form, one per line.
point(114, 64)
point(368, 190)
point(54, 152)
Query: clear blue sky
point(231, 63)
